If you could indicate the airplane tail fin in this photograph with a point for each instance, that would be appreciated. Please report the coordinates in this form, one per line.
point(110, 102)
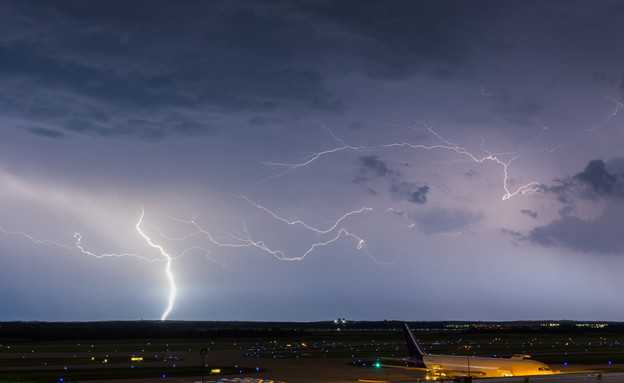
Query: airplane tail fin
point(416, 352)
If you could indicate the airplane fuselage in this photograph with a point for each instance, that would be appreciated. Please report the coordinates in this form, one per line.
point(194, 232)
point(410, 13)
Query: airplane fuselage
point(484, 367)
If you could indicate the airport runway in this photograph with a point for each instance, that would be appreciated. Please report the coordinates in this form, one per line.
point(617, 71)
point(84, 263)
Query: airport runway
point(604, 377)
point(341, 373)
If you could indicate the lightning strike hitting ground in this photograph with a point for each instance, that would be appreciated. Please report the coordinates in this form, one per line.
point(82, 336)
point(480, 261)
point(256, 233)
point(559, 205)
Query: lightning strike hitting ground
point(172, 291)
point(239, 240)
point(78, 246)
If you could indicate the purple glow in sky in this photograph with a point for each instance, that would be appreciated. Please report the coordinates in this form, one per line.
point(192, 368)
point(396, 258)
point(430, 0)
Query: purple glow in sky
point(308, 160)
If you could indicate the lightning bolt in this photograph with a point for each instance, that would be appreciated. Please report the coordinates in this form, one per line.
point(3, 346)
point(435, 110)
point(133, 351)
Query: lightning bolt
point(444, 144)
point(361, 243)
point(77, 245)
point(239, 240)
point(617, 106)
point(244, 238)
point(35, 240)
point(289, 168)
point(531, 187)
point(299, 222)
point(172, 291)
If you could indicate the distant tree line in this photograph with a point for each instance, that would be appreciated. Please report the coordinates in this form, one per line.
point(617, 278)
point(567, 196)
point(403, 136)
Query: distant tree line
point(234, 329)
point(139, 330)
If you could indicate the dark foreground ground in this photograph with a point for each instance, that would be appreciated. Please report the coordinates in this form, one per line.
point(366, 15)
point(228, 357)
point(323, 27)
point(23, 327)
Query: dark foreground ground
point(142, 352)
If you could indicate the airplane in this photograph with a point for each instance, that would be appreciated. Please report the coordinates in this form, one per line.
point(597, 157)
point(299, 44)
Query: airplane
point(452, 366)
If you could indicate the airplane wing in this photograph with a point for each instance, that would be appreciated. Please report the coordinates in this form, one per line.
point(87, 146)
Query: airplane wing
point(402, 363)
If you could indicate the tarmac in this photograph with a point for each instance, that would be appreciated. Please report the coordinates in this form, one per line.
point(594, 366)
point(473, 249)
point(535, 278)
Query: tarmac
point(341, 370)
point(597, 377)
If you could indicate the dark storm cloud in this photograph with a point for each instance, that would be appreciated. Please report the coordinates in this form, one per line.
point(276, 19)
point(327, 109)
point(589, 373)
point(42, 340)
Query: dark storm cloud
point(607, 78)
point(240, 56)
point(263, 120)
point(516, 235)
point(371, 167)
point(599, 181)
point(38, 64)
point(44, 132)
point(529, 212)
point(419, 195)
point(223, 57)
point(600, 235)
point(410, 192)
point(521, 113)
point(594, 182)
point(398, 39)
point(443, 220)
point(512, 233)
point(356, 125)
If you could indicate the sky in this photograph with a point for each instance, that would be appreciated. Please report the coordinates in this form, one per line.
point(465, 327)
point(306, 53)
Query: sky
point(309, 160)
